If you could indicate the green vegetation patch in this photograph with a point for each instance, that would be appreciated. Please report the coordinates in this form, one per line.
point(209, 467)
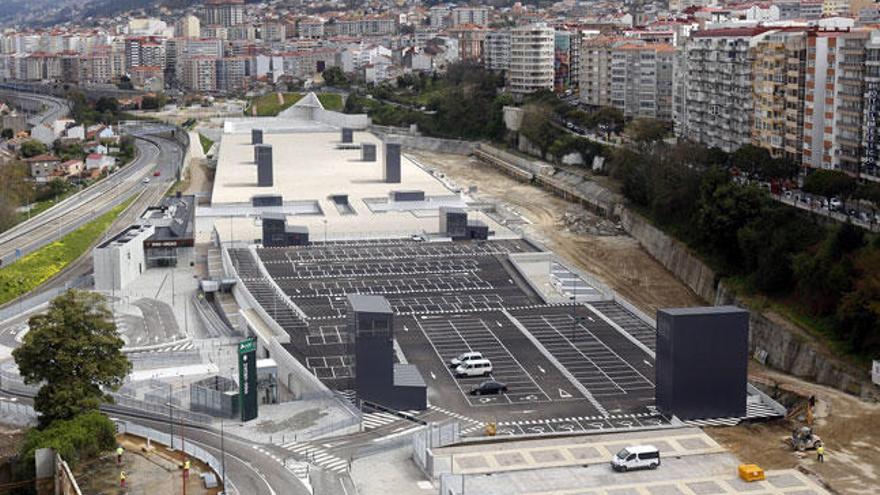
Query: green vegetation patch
point(32, 270)
point(206, 143)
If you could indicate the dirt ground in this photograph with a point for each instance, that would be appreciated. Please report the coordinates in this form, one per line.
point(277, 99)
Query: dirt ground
point(849, 427)
point(200, 180)
point(618, 260)
point(147, 474)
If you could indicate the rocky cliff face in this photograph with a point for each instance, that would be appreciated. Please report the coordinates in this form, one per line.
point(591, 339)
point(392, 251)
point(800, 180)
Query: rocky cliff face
point(787, 348)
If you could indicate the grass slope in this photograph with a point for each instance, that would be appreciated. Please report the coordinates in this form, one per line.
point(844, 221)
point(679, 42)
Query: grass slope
point(32, 270)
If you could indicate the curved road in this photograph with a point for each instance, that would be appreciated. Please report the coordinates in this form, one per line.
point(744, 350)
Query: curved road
point(248, 471)
point(78, 209)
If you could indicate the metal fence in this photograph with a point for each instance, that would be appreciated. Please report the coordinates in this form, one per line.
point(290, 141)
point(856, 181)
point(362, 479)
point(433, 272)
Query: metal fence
point(17, 414)
point(179, 444)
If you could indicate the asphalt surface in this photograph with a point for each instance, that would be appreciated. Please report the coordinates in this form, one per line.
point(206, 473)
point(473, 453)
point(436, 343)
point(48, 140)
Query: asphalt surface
point(248, 470)
point(564, 372)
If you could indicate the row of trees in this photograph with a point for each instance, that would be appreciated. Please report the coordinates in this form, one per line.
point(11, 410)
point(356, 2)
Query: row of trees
point(828, 273)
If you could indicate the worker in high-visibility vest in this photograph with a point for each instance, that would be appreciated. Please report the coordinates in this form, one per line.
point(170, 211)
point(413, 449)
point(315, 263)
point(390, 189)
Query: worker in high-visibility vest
point(820, 453)
point(122, 479)
point(119, 451)
point(186, 466)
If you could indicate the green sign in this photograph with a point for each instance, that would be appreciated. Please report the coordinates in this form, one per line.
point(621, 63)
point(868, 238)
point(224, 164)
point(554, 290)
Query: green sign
point(247, 379)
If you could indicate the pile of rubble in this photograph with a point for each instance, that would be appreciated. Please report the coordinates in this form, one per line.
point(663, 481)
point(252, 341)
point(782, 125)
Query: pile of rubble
point(578, 220)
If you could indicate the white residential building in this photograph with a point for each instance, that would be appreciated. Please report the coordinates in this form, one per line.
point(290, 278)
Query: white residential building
point(531, 59)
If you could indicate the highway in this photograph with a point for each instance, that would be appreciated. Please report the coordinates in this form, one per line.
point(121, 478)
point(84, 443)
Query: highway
point(46, 109)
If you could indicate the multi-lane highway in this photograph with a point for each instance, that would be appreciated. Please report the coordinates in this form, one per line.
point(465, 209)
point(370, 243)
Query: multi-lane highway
point(46, 109)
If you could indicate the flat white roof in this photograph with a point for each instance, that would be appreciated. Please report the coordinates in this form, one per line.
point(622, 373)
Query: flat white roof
point(308, 166)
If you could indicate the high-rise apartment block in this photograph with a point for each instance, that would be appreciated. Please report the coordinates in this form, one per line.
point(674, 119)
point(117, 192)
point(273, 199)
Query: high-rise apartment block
point(531, 59)
point(718, 86)
point(470, 15)
point(496, 50)
point(224, 13)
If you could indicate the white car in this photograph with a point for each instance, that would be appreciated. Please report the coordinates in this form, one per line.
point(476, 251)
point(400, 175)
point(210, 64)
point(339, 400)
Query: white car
point(636, 457)
point(146, 180)
point(465, 357)
point(475, 367)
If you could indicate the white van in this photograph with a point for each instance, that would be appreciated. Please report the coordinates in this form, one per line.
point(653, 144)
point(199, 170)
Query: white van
point(636, 457)
point(465, 357)
point(476, 367)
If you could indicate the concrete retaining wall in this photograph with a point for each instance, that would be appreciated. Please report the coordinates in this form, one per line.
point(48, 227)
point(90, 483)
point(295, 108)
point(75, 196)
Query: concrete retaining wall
point(786, 347)
point(672, 254)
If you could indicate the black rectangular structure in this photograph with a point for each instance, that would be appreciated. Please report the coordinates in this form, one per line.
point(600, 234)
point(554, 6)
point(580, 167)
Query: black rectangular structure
point(477, 230)
point(702, 359)
point(453, 222)
point(368, 152)
point(264, 165)
point(377, 379)
point(256, 136)
point(391, 170)
point(267, 200)
point(347, 135)
point(407, 195)
point(276, 232)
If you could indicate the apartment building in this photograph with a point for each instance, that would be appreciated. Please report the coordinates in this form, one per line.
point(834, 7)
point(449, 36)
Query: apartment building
point(200, 74)
point(779, 88)
point(718, 89)
point(373, 25)
point(871, 122)
point(231, 73)
point(834, 100)
point(470, 41)
point(496, 50)
point(311, 28)
point(641, 79)
point(595, 70)
point(469, 15)
point(566, 63)
point(224, 13)
point(531, 59)
point(188, 26)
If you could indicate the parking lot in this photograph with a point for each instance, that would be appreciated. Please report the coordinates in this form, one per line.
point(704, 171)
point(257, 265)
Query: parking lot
point(564, 372)
point(608, 365)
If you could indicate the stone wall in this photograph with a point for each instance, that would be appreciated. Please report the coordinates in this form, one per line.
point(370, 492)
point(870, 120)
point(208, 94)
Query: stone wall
point(788, 348)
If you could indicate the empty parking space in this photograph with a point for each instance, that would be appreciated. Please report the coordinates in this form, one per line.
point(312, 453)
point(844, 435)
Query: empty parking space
point(451, 337)
point(330, 367)
point(600, 367)
point(629, 322)
point(389, 250)
point(385, 285)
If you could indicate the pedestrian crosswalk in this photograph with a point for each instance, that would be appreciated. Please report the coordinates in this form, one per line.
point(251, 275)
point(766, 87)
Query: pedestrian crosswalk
point(378, 419)
point(317, 456)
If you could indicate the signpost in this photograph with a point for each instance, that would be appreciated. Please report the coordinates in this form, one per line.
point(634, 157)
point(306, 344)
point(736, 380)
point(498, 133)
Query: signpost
point(247, 379)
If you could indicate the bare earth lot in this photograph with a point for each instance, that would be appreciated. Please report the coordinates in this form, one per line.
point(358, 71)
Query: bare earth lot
point(849, 427)
point(616, 259)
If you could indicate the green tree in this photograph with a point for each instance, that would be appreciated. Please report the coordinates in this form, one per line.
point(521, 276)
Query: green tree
point(107, 104)
point(722, 209)
point(76, 440)
point(607, 119)
point(335, 77)
point(830, 183)
point(645, 131)
point(537, 126)
point(7, 133)
point(74, 352)
point(32, 148)
point(858, 314)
